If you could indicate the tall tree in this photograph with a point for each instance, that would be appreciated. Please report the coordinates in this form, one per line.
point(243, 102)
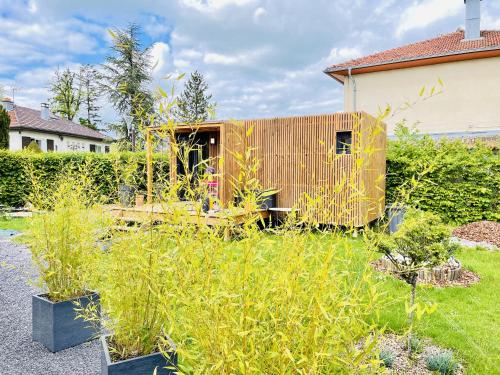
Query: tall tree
point(91, 91)
point(126, 73)
point(67, 94)
point(194, 103)
point(4, 128)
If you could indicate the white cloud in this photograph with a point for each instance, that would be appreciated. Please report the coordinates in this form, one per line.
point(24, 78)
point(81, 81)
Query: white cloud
point(383, 6)
point(182, 64)
point(52, 36)
point(424, 13)
point(189, 54)
point(259, 14)
point(241, 59)
point(338, 55)
point(156, 26)
point(489, 22)
point(218, 58)
point(159, 54)
point(260, 57)
point(210, 6)
point(32, 6)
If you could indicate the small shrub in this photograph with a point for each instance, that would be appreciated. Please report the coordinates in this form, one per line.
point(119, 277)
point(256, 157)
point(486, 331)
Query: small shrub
point(415, 345)
point(387, 357)
point(422, 241)
point(444, 363)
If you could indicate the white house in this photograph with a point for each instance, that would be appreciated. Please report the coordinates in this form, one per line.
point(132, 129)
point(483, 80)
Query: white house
point(467, 62)
point(52, 133)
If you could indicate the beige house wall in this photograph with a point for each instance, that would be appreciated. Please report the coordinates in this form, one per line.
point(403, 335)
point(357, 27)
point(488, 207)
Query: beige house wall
point(469, 102)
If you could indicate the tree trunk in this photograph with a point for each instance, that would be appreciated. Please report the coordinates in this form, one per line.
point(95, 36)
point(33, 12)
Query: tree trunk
point(411, 316)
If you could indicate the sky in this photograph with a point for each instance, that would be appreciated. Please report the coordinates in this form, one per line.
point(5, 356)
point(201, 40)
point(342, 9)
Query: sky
point(261, 58)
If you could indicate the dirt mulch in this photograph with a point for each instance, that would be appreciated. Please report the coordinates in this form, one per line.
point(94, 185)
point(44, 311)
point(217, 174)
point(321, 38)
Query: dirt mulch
point(480, 231)
point(467, 277)
point(402, 363)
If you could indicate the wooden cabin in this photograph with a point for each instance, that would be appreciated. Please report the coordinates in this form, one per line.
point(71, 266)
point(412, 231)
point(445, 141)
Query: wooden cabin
point(332, 166)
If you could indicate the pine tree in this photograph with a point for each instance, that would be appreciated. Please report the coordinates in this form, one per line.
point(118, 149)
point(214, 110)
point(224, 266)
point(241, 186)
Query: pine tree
point(89, 83)
point(126, 74)
point(4, 128)
point(194, 104)
point(67, 94)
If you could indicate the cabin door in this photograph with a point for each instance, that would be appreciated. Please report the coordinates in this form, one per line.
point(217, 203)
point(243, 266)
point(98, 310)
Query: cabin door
point(196, 157)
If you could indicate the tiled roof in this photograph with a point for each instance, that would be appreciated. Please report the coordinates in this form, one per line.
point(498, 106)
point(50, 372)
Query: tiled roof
point(30, 119)
point(444, 45)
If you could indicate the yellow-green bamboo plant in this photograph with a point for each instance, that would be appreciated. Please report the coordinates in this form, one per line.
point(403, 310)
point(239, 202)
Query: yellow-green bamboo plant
point(63, 237)
point(295, 299)
point(287, 301)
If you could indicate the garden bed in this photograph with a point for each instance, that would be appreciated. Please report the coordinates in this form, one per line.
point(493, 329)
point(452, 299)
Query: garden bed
point(443, 276)
point(417, 364)
point(480, 231)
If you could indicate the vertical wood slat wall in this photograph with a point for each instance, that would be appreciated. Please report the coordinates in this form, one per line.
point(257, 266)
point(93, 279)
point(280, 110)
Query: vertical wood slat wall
point(297, 156)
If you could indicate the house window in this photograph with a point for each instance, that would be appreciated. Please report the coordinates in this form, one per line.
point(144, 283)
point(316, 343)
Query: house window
point(92, 148)
point(50, 145)
point(106, 149)
point(25, 141)
point(344, 142)
point(98, 149)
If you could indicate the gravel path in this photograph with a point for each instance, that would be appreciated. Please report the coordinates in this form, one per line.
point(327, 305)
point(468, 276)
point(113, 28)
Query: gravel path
point(18, 354)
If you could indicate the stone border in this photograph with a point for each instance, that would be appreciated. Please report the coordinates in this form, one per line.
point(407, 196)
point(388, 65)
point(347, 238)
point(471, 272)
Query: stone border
point(443, 273)
point(440, 278)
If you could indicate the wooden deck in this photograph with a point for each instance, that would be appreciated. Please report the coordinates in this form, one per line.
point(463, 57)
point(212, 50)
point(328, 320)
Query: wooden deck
point(159, 212)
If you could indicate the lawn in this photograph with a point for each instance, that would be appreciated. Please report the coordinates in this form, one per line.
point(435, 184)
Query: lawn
point(18, 224)
point(466, 319)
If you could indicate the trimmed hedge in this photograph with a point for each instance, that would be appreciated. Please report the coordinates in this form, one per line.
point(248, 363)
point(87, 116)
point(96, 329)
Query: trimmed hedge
point(462, 184)
point(105, 170)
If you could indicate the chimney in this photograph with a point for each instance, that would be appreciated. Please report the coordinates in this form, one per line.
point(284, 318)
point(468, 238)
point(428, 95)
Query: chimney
point(7, 104)
point(472, 19)
point(44, 112)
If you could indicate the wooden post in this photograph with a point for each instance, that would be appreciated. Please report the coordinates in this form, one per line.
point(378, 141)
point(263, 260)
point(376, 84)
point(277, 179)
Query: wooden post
point(149, 166)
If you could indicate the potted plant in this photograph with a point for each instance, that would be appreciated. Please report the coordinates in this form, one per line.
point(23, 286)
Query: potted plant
point(62, 242)
point(131, 285)
point(139, 199)
point(156, 362)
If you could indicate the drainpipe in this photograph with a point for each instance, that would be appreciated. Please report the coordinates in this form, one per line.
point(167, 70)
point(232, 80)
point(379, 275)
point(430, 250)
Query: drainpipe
point(354, 90)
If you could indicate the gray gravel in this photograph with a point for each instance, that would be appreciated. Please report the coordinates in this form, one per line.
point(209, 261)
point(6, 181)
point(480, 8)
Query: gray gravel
point(18, 354)
point(472, 244)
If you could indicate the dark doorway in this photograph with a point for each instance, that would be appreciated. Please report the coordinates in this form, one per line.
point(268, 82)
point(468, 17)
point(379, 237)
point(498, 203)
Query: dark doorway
point(198, 153)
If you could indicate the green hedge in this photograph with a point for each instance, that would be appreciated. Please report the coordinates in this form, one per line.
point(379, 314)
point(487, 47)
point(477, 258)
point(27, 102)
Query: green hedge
point(106, 171)
point(462, 183)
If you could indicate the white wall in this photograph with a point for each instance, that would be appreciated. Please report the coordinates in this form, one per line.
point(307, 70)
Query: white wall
point(61, 145)
point(470, 101)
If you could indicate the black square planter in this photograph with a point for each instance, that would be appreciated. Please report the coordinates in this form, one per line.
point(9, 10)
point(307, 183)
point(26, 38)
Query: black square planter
point(55, 324)
point(144, 365)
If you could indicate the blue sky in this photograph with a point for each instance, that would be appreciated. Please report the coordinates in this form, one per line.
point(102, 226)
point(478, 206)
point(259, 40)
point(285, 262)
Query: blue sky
point(261, 57)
